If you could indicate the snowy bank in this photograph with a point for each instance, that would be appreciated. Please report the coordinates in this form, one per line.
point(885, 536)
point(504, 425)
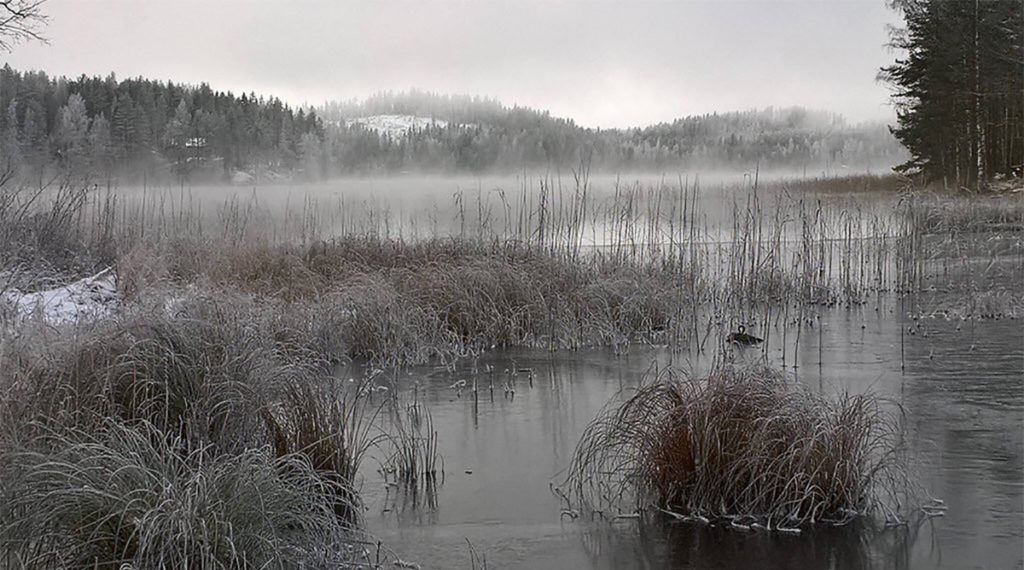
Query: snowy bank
point(89, 298)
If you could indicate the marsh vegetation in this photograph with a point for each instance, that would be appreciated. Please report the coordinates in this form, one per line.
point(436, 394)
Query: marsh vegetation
point(155, 434)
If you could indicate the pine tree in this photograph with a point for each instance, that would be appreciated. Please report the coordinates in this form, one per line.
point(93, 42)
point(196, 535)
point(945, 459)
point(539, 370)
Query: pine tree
point(123, 126)
point(958, 89)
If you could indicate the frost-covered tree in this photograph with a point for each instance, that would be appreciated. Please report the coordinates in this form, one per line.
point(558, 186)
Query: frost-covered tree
point(72, 132)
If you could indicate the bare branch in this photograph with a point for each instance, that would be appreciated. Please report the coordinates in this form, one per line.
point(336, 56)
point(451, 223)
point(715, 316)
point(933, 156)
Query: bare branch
point(21, 20)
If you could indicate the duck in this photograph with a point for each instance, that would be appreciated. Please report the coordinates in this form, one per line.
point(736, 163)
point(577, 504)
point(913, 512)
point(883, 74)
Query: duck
point(741, 337)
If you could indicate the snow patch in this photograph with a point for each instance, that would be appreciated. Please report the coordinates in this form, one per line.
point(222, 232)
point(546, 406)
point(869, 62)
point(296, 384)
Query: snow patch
point(85, 299)
point(396, 126)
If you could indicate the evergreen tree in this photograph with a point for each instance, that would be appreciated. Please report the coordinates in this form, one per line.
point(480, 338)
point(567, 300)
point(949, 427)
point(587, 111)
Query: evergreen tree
point(959, 88)
point(177, 135)
point(123, 126)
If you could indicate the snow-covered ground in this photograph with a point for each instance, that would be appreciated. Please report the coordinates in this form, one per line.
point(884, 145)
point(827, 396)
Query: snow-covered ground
point(88, 298)
point(396, 125)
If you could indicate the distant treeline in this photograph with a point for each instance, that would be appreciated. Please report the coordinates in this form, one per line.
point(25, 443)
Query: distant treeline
point(478, 134)
point(132, 128)
point(137, 127)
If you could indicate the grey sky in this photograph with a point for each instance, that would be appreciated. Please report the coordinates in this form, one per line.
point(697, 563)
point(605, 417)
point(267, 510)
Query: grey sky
point(603, 63)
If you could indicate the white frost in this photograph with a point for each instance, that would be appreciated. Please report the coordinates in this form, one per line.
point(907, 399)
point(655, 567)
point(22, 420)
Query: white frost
point(88, 298)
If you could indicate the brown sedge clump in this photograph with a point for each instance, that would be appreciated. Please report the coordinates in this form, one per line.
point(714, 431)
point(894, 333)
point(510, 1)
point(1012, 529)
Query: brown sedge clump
point(741, 444)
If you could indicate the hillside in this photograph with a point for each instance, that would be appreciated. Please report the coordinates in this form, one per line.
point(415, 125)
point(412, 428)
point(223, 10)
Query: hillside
point(461, 133)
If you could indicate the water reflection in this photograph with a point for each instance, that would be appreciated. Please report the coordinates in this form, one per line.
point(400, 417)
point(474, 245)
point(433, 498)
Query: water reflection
point(682, 545)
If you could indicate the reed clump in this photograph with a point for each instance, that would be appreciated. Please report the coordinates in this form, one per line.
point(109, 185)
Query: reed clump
point(415, 456)
point(412, 465)
point(741, 445)
point(329, 425)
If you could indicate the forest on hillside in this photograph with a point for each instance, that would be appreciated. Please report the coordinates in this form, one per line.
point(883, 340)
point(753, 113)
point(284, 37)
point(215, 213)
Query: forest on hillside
point(479, 134)
point(136, 128)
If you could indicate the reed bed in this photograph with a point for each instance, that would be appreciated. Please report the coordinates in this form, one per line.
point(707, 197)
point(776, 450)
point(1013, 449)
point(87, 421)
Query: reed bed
point(127, 495)
point(741, 446)
point(981, 305)
point(393, 303)
point(44, 236)
point(198, 435)
point(552, 265)
point(555, 266)
point(953, 215)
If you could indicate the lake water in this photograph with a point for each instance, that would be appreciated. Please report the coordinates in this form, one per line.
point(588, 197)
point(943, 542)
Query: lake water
point(960, 382)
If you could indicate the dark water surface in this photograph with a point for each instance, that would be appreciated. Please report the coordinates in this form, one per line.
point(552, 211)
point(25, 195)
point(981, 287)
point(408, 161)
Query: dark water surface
point(962, 388)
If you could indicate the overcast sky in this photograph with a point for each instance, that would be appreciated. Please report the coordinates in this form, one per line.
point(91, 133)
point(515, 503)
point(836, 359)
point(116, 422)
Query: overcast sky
point(610, 63)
